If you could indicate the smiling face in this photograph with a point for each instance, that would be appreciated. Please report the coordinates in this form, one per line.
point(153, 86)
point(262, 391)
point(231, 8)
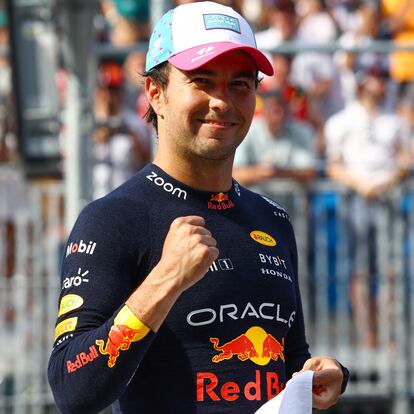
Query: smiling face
point(204, 114)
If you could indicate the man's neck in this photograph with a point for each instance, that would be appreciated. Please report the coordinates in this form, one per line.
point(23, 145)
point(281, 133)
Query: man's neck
point(204, 175)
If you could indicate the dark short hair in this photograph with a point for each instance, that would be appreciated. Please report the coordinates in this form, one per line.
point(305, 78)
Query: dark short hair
point(159, 75)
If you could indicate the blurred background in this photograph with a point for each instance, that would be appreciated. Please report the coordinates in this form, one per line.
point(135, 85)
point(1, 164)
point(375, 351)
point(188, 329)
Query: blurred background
point(332, 141)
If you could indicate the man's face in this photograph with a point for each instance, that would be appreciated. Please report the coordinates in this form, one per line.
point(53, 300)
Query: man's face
point(274, 113)
point(206, 113)
point(374, 88)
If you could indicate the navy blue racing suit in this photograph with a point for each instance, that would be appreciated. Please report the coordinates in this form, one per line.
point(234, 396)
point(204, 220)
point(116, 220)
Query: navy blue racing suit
point(229, 343)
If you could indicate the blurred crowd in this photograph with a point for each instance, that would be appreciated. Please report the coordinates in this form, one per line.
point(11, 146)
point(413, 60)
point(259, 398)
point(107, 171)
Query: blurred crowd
point(346, 112)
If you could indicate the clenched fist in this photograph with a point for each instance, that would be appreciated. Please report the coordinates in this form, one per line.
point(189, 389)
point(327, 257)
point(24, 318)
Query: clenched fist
point(189, 250)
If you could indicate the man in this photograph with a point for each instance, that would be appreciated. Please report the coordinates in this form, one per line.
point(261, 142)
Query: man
point(368, 152)
point(368, 147)
point(276, 146)
point(164, 306)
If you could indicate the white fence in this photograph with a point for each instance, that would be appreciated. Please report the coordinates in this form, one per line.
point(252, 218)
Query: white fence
point(336, 236)
point(30, 239)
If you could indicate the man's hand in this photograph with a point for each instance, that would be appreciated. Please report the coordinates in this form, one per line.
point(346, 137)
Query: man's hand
point(327, 380)
point(189, 250)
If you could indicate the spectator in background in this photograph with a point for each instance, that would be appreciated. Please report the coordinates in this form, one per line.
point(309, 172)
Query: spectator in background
point(121, 141)
point(282, 22)
point(276, 146)
point(8, 137)
point(126, 20)
point(399, 20)
point(365, 33)
point(293, 95)
point(312, 72)
point(366, 145)
point(406, 110)
point(368, 152)
point(344, 14)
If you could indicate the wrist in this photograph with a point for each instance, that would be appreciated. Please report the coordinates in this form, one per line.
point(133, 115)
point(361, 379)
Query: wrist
point(345, 377)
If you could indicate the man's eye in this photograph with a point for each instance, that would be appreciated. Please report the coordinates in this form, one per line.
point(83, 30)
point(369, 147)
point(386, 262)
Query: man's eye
point(202, 81)
point(242, 83)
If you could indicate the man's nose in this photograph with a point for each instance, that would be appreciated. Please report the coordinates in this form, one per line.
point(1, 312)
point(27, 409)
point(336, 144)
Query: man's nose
point(220, 99)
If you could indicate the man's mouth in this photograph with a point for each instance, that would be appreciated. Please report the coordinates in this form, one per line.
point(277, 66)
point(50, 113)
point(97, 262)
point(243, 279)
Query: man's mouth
point(217, 123)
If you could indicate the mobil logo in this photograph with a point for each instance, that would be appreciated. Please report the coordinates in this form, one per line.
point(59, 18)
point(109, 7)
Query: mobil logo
point(81, 247)
point(263, 238)
point(166, 186)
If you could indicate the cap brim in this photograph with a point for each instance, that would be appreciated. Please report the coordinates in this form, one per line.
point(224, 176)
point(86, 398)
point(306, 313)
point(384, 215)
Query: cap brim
point(198, 56)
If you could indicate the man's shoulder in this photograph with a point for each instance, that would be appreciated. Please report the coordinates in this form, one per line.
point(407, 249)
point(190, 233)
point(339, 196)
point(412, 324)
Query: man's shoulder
point(263, 203)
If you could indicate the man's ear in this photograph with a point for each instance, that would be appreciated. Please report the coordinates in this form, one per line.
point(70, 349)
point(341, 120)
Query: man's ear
point(155, 96)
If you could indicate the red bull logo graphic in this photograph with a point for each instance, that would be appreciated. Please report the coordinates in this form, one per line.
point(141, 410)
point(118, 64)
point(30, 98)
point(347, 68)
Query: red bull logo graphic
point(242, 346)
point(257, 345)
point(82, 359)
point(220, 201)
point(127, 328)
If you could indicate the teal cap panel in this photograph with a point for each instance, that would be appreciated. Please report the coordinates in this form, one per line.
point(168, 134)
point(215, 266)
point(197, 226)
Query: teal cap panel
point(161, 45)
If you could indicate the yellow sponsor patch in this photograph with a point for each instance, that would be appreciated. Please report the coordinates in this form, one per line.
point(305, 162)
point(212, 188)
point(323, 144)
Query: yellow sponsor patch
point(263, 238)
point(67, 325)
point(127, 328)
point(69, 303)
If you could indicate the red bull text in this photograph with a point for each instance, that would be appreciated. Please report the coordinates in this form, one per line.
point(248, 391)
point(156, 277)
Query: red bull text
point(264, 386)
point(220, 201)
point(82, 359)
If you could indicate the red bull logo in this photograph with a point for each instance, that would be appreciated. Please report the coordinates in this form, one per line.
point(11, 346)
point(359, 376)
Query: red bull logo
point(82, 359)
point(257, 345)
point(220, 201)
point(242, 346)
point(127, 328)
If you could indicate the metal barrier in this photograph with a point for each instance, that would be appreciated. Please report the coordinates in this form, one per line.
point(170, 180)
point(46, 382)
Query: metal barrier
point(356, 269)
point(30, 241)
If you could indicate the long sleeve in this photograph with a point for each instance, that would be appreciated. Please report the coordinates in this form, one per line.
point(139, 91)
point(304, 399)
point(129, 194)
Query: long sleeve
point(99, 342)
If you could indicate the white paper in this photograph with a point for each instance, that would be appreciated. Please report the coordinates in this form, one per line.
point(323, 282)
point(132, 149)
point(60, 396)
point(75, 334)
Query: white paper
point(296, 398)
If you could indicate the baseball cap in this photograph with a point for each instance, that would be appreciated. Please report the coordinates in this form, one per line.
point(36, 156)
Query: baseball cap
point(193, 34)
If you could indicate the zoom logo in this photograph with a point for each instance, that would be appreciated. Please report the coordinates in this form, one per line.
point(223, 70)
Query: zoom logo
point(168, 187)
